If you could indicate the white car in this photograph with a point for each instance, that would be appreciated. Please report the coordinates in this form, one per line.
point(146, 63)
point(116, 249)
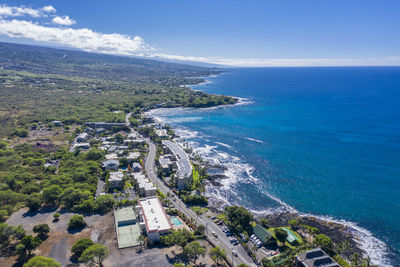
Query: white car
point(234, 252)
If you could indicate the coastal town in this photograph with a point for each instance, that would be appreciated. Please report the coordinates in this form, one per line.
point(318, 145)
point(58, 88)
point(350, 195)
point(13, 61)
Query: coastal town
point(150, 189)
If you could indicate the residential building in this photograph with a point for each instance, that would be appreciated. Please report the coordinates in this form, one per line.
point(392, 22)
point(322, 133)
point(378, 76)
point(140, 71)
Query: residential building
point(182, 162)
point(136, 167)
point(315, 258)
point(146, 188)
point(82, 146)
point(115, 180)
point(265, 237)
point(110, 164)
point(156, 221)
point(105, 125)
point(161, 133)
point(82, 137)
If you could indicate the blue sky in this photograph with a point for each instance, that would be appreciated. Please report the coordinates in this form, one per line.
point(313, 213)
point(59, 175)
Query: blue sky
point(242, 33)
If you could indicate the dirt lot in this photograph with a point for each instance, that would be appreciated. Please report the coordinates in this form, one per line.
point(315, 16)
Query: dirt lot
point(59, 242)
point(101, 230)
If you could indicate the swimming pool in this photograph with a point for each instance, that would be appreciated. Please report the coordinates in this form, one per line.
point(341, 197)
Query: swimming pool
point(176, 221)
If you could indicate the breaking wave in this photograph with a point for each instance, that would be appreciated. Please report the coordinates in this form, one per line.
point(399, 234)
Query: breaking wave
point(238, 171)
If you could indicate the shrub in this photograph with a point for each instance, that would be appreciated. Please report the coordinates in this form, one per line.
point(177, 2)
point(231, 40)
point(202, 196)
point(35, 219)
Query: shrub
point(80, 246)
point(280, 234)
point(76, 222)
point(104, 204)
point(39, 261)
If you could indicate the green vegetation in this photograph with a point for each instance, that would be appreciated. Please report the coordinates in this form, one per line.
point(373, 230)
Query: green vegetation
point(218, 254)
point(94, 255)
point(80, 246)
point(39, 261)
point(280, 234)
point(76, 222)
point(193, 250)
point(104, 204)
point(45, 84)
point(178, 237)
point(239, 218)
point(42, 230)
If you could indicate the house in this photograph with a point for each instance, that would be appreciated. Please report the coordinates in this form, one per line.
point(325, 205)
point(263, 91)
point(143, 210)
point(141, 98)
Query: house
point(132, 156)
point(82, 146)
point(182, 162)
point(105, 125)
point(82, 137)
point(156, 221)
point(110, 164)
point(161, 133)
point(136, 167)
point(112, 156)
point(265, 237)
point(115, 180)
point(315, 258)
point(57, 123)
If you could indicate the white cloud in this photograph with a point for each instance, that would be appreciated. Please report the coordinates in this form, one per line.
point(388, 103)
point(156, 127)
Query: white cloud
point(49, 9)
point(83, 38)
point(15, 11)
point(119, 44)
point(254, 62)
point(66, 20)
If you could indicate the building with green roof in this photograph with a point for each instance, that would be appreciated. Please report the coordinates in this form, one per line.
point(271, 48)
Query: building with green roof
point(262, 234)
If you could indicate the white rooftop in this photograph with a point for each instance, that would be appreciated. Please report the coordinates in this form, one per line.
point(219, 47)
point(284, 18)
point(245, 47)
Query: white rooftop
point(155, 218)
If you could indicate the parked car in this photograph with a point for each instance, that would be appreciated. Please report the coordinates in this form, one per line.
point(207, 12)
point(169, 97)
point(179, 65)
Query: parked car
point(213, 218)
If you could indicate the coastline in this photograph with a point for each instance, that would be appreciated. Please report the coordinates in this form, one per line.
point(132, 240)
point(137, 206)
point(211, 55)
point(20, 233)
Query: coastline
point(362, 238)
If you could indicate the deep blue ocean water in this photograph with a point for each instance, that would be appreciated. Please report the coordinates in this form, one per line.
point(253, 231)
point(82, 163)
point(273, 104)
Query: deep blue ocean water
point(325, 141)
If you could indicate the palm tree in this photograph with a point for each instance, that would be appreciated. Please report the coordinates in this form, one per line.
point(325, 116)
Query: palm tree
point(142, 241)
point(198, 210)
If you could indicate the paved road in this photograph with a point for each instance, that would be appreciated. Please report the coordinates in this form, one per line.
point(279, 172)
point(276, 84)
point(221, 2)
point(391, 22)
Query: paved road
point(222, 240)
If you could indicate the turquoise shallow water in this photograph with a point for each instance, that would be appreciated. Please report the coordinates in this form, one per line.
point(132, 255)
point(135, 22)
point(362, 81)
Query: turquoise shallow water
point(324, 141)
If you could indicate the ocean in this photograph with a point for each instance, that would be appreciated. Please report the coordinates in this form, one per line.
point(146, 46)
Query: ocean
point(323, 141)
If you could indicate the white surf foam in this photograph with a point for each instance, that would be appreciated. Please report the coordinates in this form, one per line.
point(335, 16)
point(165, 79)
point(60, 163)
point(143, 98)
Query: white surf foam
point(238, 171)
point(253, 140)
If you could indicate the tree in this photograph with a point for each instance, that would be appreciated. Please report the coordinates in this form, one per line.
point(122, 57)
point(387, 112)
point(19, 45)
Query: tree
point(42, 230)
point(198, 210)
point(56, 216)
point(76, 222)
point(294, 223)
point(280, 234)
point(34, 201)
point(264, 223)
point(30, 243)
point(39, 261)
point(104, 203)
point(243, 265)
point(324, 242)
point(200, 229)
point(94, 255)
point(94, 154)
point(142, 240)
point(80, 246)
point(179, 237)
point(3, 214)
point(51, 194)
point(218, 254)
point(193, 250)
point(239, 218)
